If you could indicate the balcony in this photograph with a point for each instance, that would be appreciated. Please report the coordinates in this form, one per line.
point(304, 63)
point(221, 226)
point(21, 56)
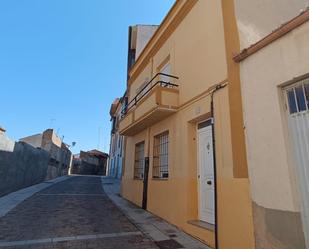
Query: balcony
point(157, 100)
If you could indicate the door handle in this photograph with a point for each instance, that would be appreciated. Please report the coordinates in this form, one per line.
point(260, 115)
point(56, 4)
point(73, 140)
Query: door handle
point(209, 182)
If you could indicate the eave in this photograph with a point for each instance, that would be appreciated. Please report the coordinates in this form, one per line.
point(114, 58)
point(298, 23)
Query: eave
point(273, 36)
point(171, 21)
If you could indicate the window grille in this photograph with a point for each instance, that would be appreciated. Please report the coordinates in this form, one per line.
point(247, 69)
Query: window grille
point(298, 97)
point(139, 161)
point(160, 156)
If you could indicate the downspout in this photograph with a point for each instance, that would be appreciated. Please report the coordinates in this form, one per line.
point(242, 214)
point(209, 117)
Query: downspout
point(146, 173)
point(218, 87)
point(123, 149)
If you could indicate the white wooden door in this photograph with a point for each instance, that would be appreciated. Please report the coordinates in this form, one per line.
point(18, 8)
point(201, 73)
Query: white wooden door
point(206, 175)
point(297, 97)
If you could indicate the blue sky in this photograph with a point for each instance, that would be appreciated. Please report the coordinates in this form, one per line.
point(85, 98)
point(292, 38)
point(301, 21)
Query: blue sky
point(62, 62)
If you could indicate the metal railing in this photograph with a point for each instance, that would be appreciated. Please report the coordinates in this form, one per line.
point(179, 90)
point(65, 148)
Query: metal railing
point(147, 88)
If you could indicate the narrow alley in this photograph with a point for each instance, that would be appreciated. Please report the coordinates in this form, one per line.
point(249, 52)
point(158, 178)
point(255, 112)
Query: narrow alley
point(75, 213)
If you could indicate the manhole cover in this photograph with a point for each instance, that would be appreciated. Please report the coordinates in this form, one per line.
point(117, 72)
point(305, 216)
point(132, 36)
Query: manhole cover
point(168, 244)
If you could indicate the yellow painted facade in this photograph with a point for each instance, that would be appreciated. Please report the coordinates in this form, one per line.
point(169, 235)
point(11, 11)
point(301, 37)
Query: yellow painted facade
point(197, 39)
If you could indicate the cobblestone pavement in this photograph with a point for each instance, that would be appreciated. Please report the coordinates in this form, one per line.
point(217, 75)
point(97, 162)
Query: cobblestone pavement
point(75, 213)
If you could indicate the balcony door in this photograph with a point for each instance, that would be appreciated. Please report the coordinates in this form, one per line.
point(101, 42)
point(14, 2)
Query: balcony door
point(165, 69)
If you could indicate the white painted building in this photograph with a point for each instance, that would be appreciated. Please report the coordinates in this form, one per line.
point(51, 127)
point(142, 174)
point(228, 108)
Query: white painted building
point(117, 141)
point(274, 71)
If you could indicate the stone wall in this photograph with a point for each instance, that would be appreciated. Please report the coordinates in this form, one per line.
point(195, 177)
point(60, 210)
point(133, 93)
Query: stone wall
point(59, 161)
point(84, 168)
point(21, 165)
point(60, 156)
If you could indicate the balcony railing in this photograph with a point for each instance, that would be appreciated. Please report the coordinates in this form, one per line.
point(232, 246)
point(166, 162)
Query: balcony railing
point(148, 87)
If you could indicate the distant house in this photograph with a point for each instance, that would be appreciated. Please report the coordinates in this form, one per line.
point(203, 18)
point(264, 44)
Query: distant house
point(60, 155)
point(21, 164)
point(91, 162)
point(116, 151)
point(139, 36)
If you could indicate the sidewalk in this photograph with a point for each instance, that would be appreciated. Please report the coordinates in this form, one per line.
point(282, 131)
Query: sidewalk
point(10, 201)
point(165, 235)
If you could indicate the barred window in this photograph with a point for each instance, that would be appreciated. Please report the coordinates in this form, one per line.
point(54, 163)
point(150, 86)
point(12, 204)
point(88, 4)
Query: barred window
point(298, 97)
point(139, 161)
point(160, 156)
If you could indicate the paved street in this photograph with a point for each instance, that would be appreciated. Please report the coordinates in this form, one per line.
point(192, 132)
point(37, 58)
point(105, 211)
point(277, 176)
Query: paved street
point(75, 213)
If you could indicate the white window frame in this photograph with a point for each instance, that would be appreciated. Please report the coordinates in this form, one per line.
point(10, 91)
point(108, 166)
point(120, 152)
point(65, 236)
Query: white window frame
point(294, 86)
point(139, 161)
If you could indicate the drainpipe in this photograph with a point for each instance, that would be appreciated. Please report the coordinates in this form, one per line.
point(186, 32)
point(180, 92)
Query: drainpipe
point(146, 173)
point(218, 87)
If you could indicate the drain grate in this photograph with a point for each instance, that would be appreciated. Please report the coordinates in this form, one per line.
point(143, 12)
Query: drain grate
point(168, 244)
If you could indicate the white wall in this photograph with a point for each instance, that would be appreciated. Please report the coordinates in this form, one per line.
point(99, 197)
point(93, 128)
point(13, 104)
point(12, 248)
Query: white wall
point(270, 158)
point(258, 18)
point(144, 34)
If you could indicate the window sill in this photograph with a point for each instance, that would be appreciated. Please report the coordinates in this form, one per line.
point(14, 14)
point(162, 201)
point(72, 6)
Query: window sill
point(138, 179)
point(202, 224)
point(159, 179)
